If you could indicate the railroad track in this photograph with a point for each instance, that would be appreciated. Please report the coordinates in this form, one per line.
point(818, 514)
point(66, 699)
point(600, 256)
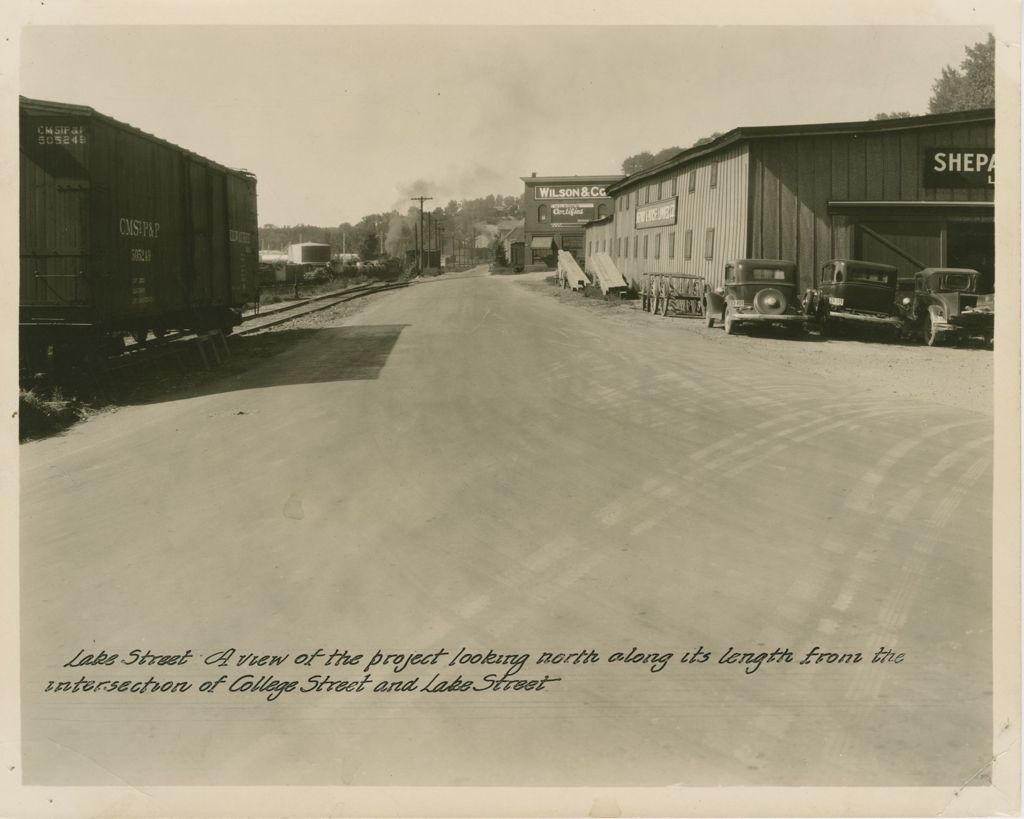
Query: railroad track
point(305, 308)
point(138, 353)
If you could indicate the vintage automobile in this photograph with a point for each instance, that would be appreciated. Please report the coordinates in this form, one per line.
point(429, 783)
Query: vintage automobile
point(905, 307)
point(756, 292)
point(946, 306)
point(855, 295)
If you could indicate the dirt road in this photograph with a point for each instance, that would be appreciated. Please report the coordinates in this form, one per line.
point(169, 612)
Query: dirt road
point(470, 464)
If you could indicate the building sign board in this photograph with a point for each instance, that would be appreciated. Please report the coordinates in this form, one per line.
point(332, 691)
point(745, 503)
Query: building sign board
point(569, 215)
point(959, 167)
point(657, 214)
point(574, 192)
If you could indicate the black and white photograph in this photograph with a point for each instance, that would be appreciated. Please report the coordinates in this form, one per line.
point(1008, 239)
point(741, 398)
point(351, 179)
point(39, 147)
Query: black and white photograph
point(547, 410)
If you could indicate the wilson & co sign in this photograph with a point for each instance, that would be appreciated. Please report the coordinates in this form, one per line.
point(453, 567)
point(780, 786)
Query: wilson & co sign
point(959, 167)
point(657, 215)
point(575, 214)
point(578, 192)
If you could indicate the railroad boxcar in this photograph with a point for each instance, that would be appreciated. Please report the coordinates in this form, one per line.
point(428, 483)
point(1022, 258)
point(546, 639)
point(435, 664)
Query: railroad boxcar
point(123, 233)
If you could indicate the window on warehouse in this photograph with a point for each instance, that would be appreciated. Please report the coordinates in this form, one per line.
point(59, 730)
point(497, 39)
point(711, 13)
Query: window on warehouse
point(709, 243)
point(652, 193)
point(714, 175)
point(672, 244)
point(542, 213)
point(646, 237)
point(693, 181)
point(688, 245)
point(657, 245)
point(636, 245)
point(673, 189)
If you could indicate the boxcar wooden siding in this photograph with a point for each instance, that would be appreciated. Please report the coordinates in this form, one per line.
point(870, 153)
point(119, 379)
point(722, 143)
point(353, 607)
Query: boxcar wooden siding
point(122, 226)
point(792, 180)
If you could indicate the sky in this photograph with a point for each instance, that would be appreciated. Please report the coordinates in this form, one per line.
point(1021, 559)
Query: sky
point(341, 121)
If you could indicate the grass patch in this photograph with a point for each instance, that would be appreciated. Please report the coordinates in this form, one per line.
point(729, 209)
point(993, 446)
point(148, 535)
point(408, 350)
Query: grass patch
point(45, 411)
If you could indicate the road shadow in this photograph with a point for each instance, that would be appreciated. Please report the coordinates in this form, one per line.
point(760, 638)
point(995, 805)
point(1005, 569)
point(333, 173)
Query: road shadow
point(275, 358)
point(284, 358)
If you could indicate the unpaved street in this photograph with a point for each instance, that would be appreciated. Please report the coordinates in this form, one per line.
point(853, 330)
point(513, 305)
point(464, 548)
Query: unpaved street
point(472, 463)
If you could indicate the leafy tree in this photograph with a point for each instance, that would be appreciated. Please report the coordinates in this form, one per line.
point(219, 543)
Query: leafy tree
point(637, 162)
point(707, 139)
point(645, 159)
point(972, 86)
point(892, 115)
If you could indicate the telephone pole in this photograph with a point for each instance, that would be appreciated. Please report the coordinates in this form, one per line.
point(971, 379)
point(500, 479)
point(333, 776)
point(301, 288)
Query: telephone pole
point(421, 200)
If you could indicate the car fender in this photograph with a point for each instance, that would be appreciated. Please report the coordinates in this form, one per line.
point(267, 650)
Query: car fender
point(714, 302)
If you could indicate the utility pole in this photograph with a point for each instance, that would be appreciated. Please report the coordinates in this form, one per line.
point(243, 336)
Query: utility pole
point(421, 200)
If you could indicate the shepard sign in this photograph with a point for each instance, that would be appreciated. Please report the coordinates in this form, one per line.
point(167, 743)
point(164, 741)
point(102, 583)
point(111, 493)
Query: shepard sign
point(959, 167)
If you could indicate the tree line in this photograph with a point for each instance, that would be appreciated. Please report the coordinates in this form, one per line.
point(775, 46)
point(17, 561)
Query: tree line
point(391, 233)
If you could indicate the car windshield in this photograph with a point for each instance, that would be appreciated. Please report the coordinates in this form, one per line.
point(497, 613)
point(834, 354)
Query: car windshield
point(963, 282)
point(871, 276)
point(768, 274)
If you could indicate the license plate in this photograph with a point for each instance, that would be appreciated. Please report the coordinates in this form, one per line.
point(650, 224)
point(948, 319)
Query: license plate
point(835, 301)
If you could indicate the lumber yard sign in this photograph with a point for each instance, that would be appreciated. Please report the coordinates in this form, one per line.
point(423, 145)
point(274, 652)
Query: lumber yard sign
point(577, 192)
point(959, 167)
point(657, 215)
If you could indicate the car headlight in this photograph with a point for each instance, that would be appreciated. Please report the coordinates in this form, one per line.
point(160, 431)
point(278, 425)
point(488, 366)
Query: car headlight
point(905, 300)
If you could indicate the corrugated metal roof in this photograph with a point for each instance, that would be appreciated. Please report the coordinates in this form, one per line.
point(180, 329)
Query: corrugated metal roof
point(746, 132)
point(50, 108)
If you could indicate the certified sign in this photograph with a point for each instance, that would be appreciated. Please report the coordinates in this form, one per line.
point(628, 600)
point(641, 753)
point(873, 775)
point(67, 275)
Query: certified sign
point(574, 214)
point(657, 215)
point(959, 167)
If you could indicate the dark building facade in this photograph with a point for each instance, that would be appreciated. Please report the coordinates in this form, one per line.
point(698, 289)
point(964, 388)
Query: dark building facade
point(914, 192)
point(557, 208)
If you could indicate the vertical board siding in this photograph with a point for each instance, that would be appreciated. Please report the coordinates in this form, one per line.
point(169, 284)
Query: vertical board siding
point(770, 244)
point(722, 207)
point(910, 167)
point(874, 170)
point(788, 198)
point(794, 178)
point(755, 174)
point(821, 150)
